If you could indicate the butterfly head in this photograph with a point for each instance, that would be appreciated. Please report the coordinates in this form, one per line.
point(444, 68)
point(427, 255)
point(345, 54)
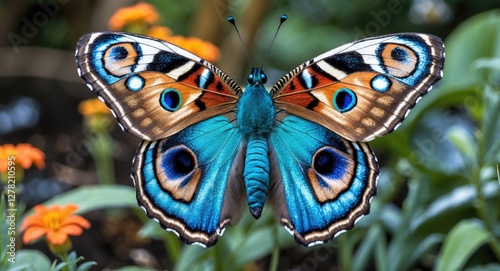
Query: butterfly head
point(257, 77)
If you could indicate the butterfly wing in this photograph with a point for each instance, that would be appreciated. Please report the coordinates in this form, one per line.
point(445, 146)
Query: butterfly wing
point(191, 181)
point(154, 88)
point(364, 89)
point(187, 172)
point(326, 181)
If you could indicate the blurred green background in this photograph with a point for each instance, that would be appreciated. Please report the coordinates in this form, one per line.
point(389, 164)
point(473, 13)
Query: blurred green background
point(437, 206)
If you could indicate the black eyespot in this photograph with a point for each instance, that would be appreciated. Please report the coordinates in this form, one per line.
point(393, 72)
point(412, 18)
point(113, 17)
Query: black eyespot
point(178, 162)
point(183, 162)
point(324, 162)
point(329, 163)
point(119, 53)
point(399, 54)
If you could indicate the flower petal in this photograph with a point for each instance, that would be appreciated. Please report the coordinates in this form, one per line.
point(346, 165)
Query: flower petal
point(32, 220)
point(78, 221)
point(33, 233)
point(41, 209)
point(67, 211)
point(57, 237)
point(72, 230)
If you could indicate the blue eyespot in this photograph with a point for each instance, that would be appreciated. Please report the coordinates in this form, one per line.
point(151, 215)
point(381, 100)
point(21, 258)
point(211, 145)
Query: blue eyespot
point(134, 83)
point(380, 83)
point(328, 163)
point(178, 162)
point(344, 100)
point(171, 99)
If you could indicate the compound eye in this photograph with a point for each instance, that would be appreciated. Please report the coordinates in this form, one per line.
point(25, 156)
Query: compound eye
point(250, 78)
point(263, 78)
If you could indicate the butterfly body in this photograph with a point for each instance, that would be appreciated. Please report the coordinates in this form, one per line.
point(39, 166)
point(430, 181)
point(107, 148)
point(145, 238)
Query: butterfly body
point(255, 122)
point(210, 148)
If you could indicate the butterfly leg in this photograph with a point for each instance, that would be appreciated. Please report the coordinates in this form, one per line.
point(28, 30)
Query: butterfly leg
point(256, 173)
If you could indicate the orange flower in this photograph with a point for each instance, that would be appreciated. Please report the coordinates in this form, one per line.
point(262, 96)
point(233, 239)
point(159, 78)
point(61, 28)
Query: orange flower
point(55, 222)
point(24, 154)
point(203, 49)
point(159, 32)
point(141, 13)
point(142, 19)
point(93, 107)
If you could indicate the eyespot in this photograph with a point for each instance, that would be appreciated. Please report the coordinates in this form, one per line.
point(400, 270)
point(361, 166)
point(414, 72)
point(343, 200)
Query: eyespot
point(178, 162)
point(118, 53)
point(329, 163)
point(399, 54)
point(324, 162)
point(134, 83)
point(344, 100)
point(177, 171)
point(120, 59)
point(397, 59)
point(171, 99)
point(380, 83)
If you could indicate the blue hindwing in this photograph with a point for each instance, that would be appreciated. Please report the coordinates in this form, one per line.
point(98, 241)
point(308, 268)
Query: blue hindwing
point(327, 181)
point(181, 180)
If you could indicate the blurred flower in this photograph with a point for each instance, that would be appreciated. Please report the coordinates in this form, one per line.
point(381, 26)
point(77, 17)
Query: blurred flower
point(142, 19)
point(56, 223)
point(22, 154)
point(139, 14)
point(97, 116)
point(93, 107)
point(159, 32)
point(430, 12)
point(203, 49)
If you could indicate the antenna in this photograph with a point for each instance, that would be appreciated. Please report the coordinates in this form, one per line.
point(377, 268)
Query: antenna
point(233, 22)
point(282, 20)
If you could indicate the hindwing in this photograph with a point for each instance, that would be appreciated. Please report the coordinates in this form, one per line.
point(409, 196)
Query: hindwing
point(326, 181)
point(191, 182)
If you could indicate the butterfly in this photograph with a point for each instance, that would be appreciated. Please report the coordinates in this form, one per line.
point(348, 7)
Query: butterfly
point(209, 147)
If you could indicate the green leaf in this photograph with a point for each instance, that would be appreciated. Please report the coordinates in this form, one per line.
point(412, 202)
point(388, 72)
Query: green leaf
point(491, 125)
point(366, 248)
point(450, 205)
point(152, 229)
point(476, 38)
point(488, 267)
point(133, 268)
point(90, 198)
point(463, 240)
point(464, 142)
point(424, 247)
point(86, 266)
point(258, 244)
point(30, 260)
